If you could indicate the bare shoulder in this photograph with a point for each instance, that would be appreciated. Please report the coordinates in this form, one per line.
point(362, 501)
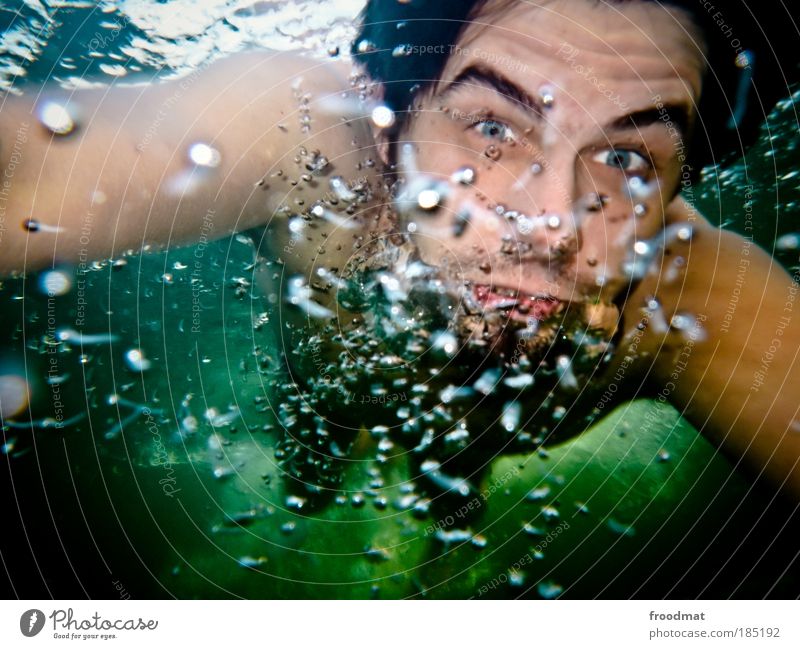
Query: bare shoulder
point(272, 82)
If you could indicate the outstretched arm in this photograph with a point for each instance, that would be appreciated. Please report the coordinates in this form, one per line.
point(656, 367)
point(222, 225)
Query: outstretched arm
point(124, 178)
point(729, 355)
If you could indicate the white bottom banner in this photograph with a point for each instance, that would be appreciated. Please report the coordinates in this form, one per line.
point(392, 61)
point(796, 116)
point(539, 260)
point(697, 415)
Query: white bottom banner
point(399, 624)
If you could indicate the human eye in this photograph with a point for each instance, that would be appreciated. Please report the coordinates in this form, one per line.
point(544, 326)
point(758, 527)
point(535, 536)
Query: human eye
point(626, 160)
point(493, 129)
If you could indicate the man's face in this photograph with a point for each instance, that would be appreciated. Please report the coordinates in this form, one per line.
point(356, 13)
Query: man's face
point(573, 116)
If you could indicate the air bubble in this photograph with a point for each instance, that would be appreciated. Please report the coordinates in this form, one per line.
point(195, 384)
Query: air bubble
point(525, 224)
point(113, 70)
point(547, 96)
point(453, 536)
point(220, 419)
point(519, 382)
point(744, 59)
point(32, 225)
point(295, 502)
point(137, 361)
point(596, 202)
point(299, 294)
point(550, 513)
point(516, 579)
point(383, 116)
point(81, 339)
point(510, 418)
point(492, 152)
point(681, 322)
point(538, 493)
point(487, 382)
point(251, 562)
point(459, 486)
point(554, 222)
point(296, 226)
point(788, 242)
point(638, 189)
point(56, 118)
point(566, 375)
point(340, 188)
point(549, 589)
point(464, 176)
point(364, 46)
point(334, 219)
point(532, 530)
point(428, 199)
point(55, 282)
point(620, 528)
point(446, 342)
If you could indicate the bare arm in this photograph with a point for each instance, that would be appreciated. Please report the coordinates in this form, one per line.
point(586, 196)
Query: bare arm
point(731, 364)
point(123, 178)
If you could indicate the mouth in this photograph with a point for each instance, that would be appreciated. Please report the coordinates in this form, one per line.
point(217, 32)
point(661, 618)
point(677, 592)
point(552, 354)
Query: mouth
point(519, 306)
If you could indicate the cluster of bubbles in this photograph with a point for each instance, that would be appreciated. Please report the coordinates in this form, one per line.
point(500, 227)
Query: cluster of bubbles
point(456, 382)
point(437, 363)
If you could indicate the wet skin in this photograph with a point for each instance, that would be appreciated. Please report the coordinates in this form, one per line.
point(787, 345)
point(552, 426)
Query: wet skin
point(248, 107)
point(585, 144)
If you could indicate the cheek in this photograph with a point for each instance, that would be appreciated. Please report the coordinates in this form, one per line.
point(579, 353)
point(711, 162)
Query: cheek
point(634, 203)
point(439, 158)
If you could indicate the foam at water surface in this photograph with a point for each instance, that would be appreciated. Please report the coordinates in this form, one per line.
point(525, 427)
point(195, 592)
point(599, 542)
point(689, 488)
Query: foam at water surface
point(80, 44)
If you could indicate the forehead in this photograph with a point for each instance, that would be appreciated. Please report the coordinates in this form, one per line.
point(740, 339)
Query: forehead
point(636, 47)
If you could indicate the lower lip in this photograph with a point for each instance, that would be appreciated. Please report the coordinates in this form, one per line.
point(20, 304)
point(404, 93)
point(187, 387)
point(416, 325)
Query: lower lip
point(523, 307)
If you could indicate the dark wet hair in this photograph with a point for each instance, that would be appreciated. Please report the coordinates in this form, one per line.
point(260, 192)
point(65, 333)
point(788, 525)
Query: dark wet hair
point(405, 44)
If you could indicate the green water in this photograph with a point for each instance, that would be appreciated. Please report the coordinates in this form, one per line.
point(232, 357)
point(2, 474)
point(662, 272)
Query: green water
point(640, 512)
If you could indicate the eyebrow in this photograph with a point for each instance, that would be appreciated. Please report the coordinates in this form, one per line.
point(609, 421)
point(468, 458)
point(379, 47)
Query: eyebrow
point(678, 114)
point(486, 76)
point(502, 85)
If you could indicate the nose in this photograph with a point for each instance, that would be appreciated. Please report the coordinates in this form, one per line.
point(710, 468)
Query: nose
point(549, 224)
